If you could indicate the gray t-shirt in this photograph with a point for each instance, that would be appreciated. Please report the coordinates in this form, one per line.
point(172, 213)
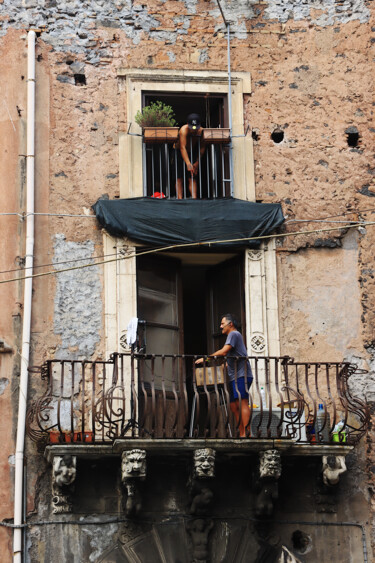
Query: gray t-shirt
point(241, 367)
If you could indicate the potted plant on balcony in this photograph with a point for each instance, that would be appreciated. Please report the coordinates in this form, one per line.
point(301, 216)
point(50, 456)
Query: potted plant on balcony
point(158, 123)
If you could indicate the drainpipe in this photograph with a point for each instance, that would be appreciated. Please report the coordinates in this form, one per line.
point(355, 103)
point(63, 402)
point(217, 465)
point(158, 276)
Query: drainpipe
point(26, 328)
point(229, 99)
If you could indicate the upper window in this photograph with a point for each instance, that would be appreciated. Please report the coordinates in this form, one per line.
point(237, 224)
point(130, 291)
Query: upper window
point(187, 91)
point(165, 170)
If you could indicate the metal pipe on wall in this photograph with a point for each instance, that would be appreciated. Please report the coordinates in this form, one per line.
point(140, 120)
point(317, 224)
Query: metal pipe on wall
point(26, 327)
point(229, 99)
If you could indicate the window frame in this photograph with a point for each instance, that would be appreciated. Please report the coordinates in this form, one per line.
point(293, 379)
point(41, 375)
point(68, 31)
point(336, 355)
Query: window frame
point(134, 82)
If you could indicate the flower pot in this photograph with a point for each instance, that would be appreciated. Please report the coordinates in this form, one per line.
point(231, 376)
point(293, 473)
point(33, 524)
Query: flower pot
point(54, 437)
point(220, 135)
point(160, 134)
point(83, 436)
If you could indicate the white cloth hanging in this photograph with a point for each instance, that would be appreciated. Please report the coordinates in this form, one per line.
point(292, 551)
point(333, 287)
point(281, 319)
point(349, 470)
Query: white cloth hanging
point(131, 335)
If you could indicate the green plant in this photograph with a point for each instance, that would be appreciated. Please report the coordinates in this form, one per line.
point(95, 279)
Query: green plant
point(156, 114)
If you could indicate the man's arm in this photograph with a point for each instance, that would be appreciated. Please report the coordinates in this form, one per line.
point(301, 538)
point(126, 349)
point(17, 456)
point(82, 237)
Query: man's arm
point(182, 142)
point(222, 352)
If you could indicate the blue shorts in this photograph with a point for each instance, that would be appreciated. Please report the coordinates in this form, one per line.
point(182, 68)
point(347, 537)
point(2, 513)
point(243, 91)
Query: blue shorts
point(233, 394)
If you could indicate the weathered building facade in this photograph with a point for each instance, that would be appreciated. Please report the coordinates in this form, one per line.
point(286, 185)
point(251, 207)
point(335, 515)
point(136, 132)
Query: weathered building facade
point(301, 109)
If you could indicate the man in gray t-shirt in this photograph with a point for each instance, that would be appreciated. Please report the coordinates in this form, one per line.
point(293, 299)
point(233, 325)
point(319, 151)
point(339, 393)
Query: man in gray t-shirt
point(239, 371)
point(238, 367)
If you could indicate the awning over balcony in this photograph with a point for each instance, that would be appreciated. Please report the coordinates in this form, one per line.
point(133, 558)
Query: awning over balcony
point(162, 222)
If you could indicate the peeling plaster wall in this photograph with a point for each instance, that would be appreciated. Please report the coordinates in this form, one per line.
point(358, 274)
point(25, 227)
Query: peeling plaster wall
point(320, 296)
point(78, 303)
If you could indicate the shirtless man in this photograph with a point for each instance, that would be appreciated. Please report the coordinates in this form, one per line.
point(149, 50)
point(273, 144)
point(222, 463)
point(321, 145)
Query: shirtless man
point(188, 148)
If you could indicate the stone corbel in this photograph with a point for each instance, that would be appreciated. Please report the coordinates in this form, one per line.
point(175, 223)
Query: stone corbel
point(64, 471)
point(333, 466)
point(204, 463)
point(203, 471)
point(133, 473)
point(269, 473)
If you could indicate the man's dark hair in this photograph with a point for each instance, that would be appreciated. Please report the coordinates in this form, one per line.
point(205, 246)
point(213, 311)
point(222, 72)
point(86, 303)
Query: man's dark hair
point(231, 319)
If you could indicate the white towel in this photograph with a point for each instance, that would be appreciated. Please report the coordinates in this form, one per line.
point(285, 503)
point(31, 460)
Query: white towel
point(131, 335)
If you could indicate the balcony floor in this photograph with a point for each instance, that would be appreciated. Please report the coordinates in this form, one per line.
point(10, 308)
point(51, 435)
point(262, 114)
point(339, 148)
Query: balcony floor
point(170, 447)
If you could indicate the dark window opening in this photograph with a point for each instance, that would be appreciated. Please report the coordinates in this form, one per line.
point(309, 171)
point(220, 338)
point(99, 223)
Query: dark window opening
point(277, 135)
point(162, 165)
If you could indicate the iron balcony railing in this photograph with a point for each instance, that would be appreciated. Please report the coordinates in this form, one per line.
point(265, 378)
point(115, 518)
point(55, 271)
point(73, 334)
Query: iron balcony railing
point(162, 396)
point(161, 170)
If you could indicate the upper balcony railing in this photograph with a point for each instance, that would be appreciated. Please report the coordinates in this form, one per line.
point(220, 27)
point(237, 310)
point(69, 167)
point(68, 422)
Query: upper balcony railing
point(160, 396)
point(163, 167)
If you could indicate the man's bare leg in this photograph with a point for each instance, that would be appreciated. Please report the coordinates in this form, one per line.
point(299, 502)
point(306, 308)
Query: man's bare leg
point(179, 189)
point(243, 417)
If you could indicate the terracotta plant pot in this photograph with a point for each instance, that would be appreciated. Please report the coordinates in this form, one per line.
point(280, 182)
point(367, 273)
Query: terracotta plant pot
point(219, 136)
point(160, 134)
point(56, 437)
point(83, 436)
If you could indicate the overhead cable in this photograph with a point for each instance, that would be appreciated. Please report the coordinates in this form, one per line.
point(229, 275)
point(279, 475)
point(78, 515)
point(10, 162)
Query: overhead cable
point(191, 245)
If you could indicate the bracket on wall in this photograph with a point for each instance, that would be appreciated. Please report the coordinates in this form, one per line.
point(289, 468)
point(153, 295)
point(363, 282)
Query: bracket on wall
point(133, 472)
point(333, 466)
point(64, 471)
point(266, 483)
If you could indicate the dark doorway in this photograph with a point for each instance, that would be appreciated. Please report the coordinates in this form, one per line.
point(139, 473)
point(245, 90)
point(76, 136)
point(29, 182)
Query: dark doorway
point(180, 301)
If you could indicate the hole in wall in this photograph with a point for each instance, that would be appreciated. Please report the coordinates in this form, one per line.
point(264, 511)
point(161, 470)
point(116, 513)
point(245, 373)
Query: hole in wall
point(80, 79)
point(277, 135)
point(255, 135)
point(352, 139)
point(301, 541)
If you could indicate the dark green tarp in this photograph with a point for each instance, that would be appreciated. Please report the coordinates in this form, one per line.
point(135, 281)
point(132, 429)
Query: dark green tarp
point(164, 222)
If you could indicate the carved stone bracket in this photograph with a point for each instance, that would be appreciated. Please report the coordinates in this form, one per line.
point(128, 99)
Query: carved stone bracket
point(203, 471)
point(64, 471)
point(267, 483)
point(133, 472)
point(332, 466)
point(204, 463)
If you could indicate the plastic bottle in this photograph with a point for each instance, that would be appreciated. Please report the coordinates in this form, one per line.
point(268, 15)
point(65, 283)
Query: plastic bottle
point(263, 397)
point(339, 432)
point(322, 434)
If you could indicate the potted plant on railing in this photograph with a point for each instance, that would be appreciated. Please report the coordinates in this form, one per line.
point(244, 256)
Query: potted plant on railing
point(158, 123)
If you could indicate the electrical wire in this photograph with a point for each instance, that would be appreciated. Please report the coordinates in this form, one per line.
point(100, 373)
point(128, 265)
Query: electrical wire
point(322, 220)
point(58, 263)
point(191, 245)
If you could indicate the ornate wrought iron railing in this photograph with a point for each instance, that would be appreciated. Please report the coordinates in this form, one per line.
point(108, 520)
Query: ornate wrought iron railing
point(161, 396)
